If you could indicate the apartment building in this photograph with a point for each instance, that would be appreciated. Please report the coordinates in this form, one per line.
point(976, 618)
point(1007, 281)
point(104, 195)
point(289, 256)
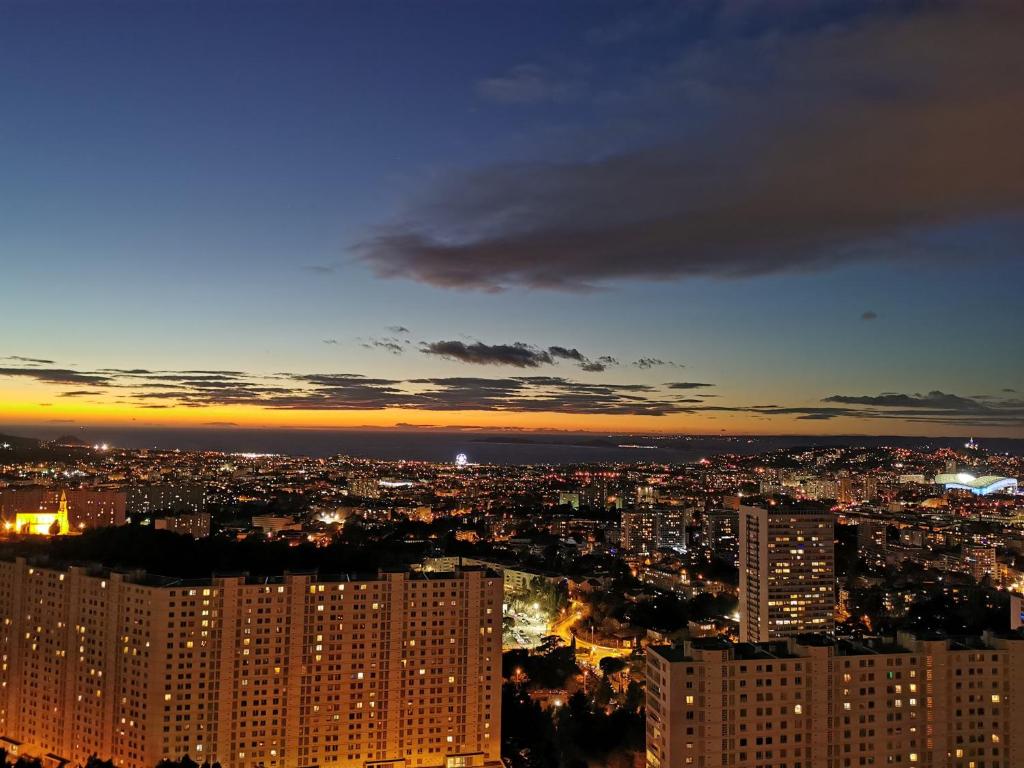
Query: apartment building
point(397, 670)
point(196, 525)
point(645, 530)
point(787, 571)
point(822, 703)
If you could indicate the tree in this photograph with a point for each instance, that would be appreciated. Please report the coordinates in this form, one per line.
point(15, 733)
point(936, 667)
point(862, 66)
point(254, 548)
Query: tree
point(604, 693)
point(611, 664)
point(634, 701)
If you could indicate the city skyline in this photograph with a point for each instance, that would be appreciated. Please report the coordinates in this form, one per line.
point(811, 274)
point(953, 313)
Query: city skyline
point(773, 603)
point(700, 219)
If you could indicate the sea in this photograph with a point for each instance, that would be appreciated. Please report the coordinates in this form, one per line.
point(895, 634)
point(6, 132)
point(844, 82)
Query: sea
point(478, 447)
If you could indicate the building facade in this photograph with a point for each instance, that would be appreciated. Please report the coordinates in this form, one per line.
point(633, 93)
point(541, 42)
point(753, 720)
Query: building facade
point(835, 704)
point(196, 525)
point(787, 572)
point(165, 497)
point(645, 530)
point(398, 670)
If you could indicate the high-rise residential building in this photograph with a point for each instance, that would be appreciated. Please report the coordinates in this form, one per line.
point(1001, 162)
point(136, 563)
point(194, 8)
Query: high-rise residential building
point(594, 494)
point(646, 530)
point(872, 535)
point(166, 497)
point(399, 670)
point(817, 488)
point(787, 571)
point(646, 495)
point(722, 534)
point(865, 488)
point(821, 703)
point(569, 498)
point(366, 487)
point(94, 507)
point(982, 562)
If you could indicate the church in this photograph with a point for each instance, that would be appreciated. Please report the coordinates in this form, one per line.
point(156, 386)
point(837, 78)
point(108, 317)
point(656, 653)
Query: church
point(43, 523)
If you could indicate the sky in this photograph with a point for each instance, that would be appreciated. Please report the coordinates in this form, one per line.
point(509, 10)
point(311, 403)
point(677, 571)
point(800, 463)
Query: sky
point(702, 217)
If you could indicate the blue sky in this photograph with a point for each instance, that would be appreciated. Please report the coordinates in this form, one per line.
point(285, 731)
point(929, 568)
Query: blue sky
point(184, 183)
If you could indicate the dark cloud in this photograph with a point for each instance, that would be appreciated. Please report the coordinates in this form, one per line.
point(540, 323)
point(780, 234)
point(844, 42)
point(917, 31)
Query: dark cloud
point(457, 393)
point(823, 144)
point(1008, 389)
point(330, 341)
point(56, 375)
point(149, 389)
point(688, 385)
point(869, 315)
point(516, 354)
point(934, 399)
point(517, 394)
point(31, 360)
point(935, 407)
point(398, 329)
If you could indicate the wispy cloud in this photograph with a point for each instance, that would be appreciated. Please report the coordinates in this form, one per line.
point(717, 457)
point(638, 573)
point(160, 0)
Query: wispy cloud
point(388, 345)
point(654, 362)
point(528, 84)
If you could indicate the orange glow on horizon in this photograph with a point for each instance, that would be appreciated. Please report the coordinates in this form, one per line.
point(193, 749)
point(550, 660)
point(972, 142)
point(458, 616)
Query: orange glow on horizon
point(98, 414)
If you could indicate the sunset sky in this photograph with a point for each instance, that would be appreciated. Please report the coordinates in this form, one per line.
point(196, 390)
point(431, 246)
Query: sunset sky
point(658, 217)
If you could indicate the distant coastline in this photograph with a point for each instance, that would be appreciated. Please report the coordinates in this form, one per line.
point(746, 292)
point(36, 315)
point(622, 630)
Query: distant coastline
point(483, 447)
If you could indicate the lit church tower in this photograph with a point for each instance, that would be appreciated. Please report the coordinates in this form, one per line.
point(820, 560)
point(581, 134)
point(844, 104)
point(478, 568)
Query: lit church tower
point(62, 524)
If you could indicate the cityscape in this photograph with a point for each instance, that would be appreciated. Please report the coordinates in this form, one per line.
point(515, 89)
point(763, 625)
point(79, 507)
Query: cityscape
point(511, 384)
point(167, 605)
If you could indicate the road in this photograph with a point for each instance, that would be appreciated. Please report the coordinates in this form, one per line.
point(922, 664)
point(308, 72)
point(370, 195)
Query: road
point(563, 628)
